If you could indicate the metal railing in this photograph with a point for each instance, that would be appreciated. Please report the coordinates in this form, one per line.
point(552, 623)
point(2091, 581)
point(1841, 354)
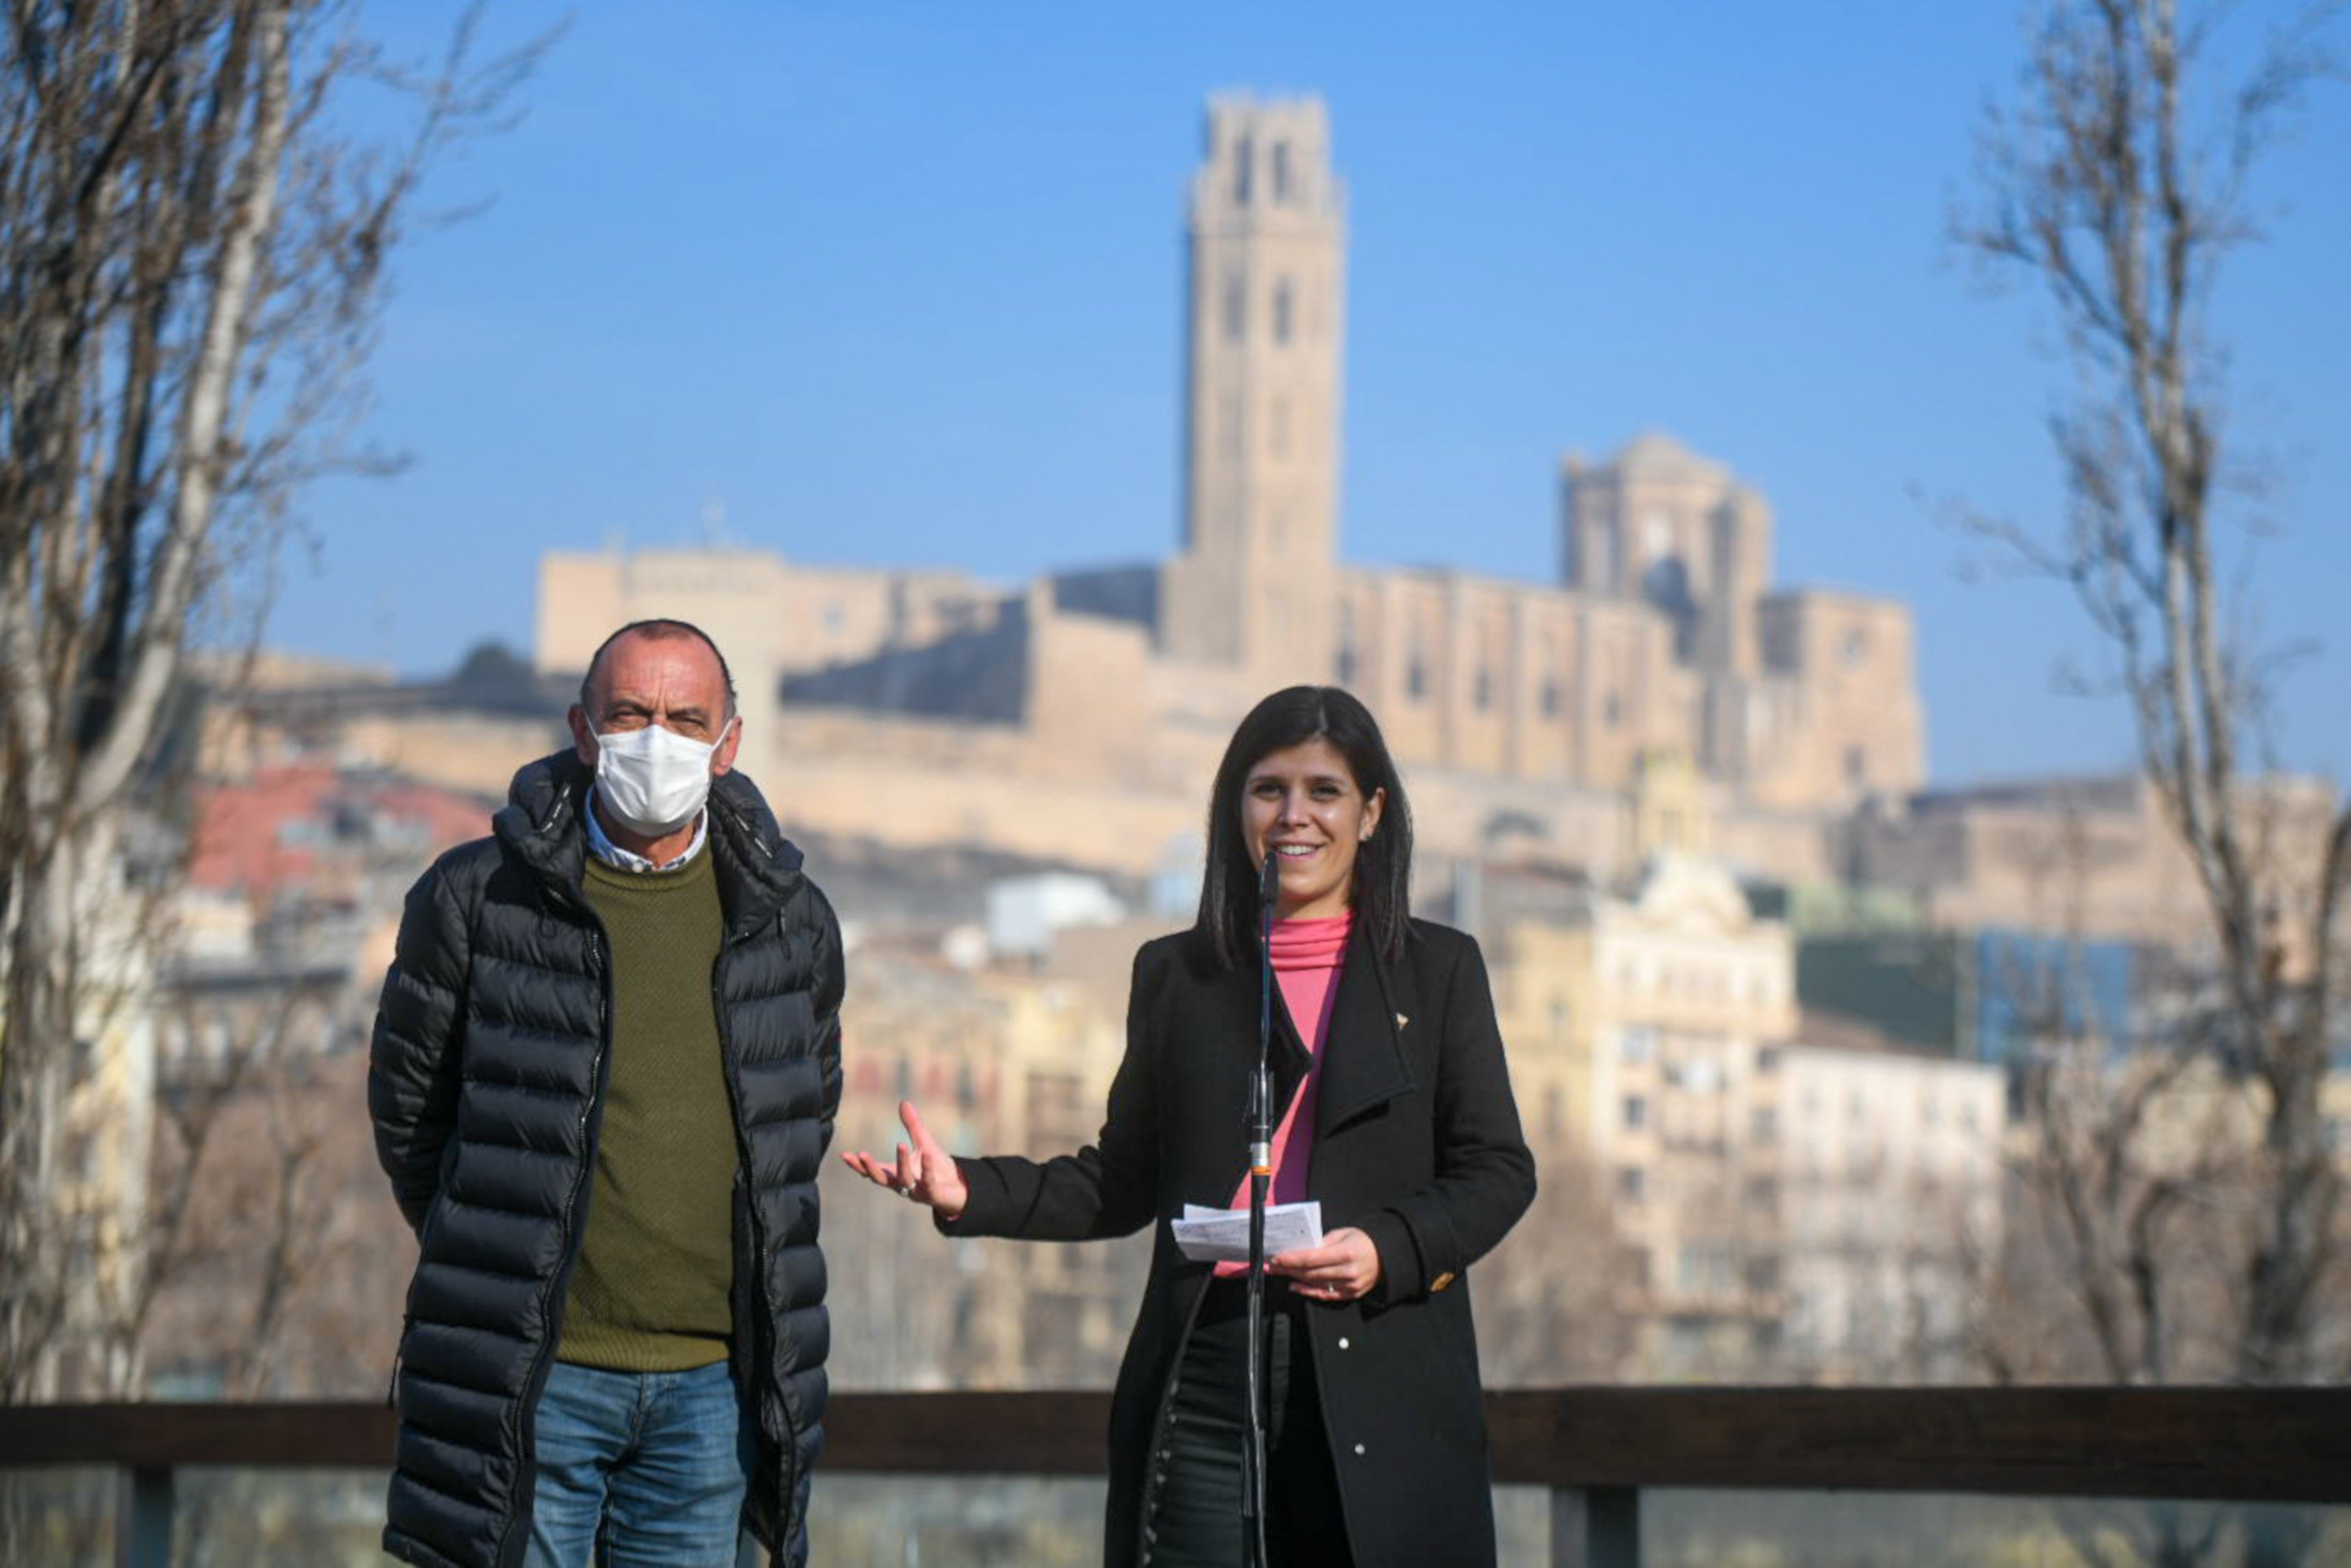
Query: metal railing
point(1595, 1448)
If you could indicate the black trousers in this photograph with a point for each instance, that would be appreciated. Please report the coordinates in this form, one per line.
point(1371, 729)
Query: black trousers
point(1193, 1514)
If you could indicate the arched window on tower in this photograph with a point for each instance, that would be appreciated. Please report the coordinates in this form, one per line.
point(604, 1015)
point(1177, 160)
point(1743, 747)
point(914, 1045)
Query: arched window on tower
point(1235, 307)
point(1244, 156)
point(1343, 670)
point(1667, 584)
point(1604, 557)
point(1492, 658)
point(1284, 308)
point(1280, 173)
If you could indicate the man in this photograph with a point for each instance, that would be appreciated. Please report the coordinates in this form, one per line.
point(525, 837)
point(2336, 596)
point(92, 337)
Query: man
point(604, 1075)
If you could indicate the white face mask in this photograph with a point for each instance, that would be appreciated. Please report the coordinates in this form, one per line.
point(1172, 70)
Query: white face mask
point(652, 780)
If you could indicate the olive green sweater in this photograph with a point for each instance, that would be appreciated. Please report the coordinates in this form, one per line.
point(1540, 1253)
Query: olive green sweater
point(652, 1290)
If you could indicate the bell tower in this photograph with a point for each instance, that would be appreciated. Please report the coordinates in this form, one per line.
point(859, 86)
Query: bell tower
point(1255, 583)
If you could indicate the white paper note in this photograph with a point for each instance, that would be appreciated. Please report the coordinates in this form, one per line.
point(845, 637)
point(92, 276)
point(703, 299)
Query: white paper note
point(1222, 1235)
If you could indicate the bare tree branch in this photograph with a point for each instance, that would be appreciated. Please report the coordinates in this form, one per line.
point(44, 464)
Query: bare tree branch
point(193, 254)
point(2114, 187)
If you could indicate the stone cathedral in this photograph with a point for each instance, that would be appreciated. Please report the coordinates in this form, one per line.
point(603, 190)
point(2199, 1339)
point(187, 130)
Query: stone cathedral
point(929, 707)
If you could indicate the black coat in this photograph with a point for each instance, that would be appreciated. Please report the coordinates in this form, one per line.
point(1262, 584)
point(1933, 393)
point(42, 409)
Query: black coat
point(487, 1082)
point(1417, 1142)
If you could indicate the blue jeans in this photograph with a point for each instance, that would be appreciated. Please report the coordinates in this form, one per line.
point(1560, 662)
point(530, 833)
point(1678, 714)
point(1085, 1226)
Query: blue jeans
point(640, 1468)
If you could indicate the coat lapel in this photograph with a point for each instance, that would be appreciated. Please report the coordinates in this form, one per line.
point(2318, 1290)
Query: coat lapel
point(1364, 1062)
point(1233, 1030)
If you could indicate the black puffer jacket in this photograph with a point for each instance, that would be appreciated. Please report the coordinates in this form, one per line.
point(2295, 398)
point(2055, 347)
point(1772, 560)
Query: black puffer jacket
point(486, 1084)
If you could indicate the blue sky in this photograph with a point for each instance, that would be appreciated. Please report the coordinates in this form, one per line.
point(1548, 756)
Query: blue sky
point(900, 284)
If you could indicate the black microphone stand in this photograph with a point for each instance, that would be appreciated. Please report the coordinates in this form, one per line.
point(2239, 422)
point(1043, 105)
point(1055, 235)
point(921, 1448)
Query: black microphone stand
point(1261, 1117)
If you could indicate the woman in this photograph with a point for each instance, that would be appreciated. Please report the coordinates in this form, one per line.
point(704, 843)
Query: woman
point(1397, 1118)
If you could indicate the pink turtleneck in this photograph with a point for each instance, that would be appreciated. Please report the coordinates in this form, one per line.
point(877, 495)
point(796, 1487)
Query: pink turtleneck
point(1306, 958)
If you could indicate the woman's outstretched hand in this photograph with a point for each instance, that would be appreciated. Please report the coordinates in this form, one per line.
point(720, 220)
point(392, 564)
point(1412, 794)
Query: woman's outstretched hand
point(1343, 1269)
point(926, 1173)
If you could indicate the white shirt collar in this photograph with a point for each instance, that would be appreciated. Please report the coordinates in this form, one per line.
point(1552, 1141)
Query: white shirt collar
point(601, 844)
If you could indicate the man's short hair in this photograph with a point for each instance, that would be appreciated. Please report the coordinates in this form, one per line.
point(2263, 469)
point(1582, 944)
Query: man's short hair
point(658, 630)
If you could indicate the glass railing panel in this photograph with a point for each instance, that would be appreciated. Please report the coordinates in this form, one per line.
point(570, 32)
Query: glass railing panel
point(1710, 1528)
point(225, 1518)
point(62, 1517)
point(863, 1520)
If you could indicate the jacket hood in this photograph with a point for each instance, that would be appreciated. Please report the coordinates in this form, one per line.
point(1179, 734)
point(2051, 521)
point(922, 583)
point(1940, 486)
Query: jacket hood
point(543, 824)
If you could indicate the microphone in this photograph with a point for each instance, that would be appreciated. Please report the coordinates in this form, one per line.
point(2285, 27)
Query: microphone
point(1260, 1183)
point(1268, 889)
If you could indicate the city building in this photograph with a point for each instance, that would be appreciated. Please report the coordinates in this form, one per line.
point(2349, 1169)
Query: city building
point(999, 1062)
point(2094, 856)
point(1890, 1179)
point(1996, 995)
point(1529, 701)
point(1646, 1029)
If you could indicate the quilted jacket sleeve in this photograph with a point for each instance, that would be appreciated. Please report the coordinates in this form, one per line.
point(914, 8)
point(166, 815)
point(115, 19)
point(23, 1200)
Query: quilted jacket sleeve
point(831, 983)
point(416, 1052)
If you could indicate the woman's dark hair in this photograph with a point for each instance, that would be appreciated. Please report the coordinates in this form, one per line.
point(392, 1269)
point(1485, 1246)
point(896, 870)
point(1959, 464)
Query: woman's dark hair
point(1228, 900)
